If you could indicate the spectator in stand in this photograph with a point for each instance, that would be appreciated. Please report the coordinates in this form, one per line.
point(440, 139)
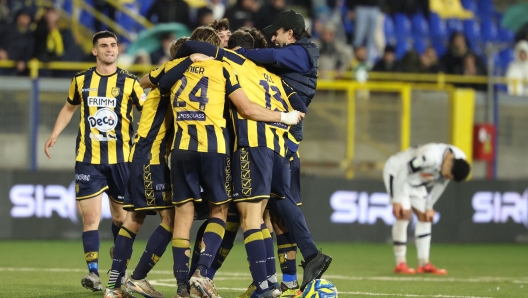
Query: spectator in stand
point(49, 44)
point(17, 43)
point(453, 59)
point(409, 7)
point(517, 72)
point(162, 54)
point(410, 62)
point(218, 8)
point(360, 65)
point(334, 55)
point(267, 12)
point(242, 14)
point(429, 61)
point(5, 13)
point(204, 16)
point(366, 14)
point(471, 67)
point(388, 62)
point(169, 11)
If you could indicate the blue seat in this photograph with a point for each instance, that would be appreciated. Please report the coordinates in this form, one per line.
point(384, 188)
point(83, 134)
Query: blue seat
point(145, 6)
point(67, 6)
point(489, 30)
point(506, 35)
point(437, 26)
point(388, 29)
point(402, 25)
point(472, 33)
point(454, 25)
point(85, 18)
point(470, 5)
point(402, 46)
point(419, 25)
point(485, 8)
point(506, 56)
point(499, 69)
point(439, 45)
point(420, 44)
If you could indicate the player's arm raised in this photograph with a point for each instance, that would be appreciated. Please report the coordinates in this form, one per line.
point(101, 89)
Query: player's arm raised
point(63, 119)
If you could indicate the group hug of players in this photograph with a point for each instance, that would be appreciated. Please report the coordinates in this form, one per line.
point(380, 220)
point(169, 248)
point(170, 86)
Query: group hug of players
point(213, 141)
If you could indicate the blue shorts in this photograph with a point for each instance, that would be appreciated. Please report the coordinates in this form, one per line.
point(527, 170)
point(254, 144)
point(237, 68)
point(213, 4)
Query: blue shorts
point(258, 173)
point(92, 180)
point(149, 187)
point(295, 177)
point(190, 169)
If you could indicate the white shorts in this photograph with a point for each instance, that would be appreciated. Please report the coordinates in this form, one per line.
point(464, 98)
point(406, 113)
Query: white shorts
point(415, 197)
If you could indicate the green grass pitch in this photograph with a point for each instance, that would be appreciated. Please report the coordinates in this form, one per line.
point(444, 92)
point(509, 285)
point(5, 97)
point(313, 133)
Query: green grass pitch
point(55, 268)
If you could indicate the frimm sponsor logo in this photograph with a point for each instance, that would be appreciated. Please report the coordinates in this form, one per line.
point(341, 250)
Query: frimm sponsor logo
point(497, 207)
point(46, 201)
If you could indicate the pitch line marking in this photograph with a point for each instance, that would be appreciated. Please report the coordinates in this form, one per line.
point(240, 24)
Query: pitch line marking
point(172, 285)
point(235, 275)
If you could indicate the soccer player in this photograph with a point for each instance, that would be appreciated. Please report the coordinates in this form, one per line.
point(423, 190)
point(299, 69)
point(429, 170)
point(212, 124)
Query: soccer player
point(222, 29)
point(106, 95)
point(295, 60)
point(249, 75)
point(406, 175)
point(259, 164)
point(200, 155)
point(149, 188)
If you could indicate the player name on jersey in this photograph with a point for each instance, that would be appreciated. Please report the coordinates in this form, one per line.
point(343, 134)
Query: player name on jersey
point(196, 69)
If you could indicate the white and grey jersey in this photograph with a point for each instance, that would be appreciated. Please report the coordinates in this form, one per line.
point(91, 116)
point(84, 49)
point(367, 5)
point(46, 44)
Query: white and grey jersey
point(421, 166)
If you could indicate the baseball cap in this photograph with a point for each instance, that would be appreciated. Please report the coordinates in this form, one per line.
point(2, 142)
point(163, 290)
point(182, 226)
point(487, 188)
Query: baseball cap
point(286, 19)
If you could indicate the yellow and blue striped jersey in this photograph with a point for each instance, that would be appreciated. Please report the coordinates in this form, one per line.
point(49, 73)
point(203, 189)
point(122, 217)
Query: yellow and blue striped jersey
point(156, 125)
point(267, 90)
point(105, 129)
point(198, 103)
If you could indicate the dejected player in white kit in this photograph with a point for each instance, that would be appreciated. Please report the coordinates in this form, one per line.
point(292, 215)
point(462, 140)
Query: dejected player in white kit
point(407, 175)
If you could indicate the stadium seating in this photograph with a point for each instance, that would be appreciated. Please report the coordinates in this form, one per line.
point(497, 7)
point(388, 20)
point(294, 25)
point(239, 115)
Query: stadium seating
point(489, 30)
point(420, 27)
point(402, 25)
point(437, 26)
point(388, 29)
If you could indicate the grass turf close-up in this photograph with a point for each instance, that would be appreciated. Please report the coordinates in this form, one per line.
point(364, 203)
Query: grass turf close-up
point(55, 269)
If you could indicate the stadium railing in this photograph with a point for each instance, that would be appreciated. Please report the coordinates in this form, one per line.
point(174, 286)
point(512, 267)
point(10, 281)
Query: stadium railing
point(351, 130)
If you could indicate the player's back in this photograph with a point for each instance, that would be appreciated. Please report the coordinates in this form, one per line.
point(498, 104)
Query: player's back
point(155, 129)
point(198, 103)
point(156, 125)
point(265, 89)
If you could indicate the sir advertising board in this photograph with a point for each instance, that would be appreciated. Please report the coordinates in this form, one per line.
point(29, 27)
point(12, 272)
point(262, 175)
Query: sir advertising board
point(42, 206)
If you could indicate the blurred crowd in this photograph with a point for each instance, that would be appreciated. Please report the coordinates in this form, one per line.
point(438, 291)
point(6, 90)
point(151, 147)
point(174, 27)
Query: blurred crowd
point(351, 35)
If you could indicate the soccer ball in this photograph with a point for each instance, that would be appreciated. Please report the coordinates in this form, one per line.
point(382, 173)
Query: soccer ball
point(320, 288)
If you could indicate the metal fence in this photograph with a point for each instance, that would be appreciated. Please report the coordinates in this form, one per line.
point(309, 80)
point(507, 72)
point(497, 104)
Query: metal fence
point(377, 128)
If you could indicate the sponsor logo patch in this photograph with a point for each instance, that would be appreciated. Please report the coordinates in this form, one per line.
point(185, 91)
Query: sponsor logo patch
point(104, 120)
point(190, 116)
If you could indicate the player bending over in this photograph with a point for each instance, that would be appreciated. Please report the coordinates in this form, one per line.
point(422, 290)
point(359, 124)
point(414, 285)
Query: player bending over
point(407, 175)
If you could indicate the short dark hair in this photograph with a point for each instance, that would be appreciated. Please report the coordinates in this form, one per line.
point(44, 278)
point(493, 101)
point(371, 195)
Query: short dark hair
point(102, 34)
point(260, 40)
point(206, 34)
point(176, 45)
point(460, 169)
point(241, 38)
point(220, 25)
